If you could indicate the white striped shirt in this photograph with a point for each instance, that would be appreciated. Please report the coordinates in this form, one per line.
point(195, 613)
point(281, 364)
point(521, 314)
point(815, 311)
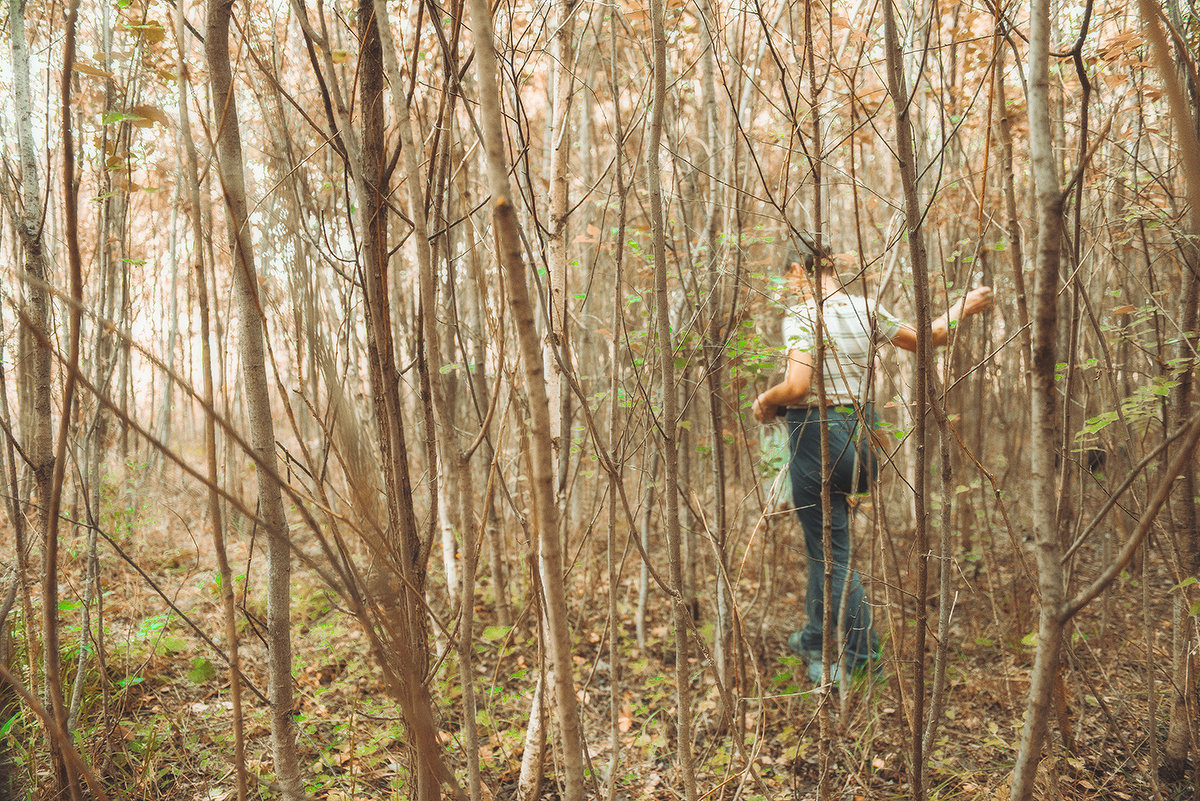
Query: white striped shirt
point(851, 323)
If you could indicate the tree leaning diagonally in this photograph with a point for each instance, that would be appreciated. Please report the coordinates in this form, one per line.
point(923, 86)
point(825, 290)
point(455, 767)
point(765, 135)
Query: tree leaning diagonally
point(258, 399)
point(512, 265)
point(1182, 727)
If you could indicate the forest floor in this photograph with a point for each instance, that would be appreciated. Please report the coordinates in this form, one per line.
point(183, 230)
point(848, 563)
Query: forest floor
point(160, 727)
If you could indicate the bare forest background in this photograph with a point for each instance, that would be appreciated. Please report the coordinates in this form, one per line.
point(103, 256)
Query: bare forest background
point(374, 391)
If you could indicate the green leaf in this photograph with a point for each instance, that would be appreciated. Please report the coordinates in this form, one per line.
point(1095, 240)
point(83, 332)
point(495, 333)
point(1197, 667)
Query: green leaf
point(201, 670)
point(1030, 639)
point(113, 117)
point(1163, 386)
point(1187, 582)
point(8, 724)
point(173, 644)
point(1195, 610)
point(1097, 423)
point(495, 632)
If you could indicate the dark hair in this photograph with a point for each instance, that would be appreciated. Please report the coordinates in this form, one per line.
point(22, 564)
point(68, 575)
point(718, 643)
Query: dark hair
point(806, 250)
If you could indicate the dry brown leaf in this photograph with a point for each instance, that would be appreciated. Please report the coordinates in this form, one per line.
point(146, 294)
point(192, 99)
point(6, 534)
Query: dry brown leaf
point(149, 115)
point(95, 72)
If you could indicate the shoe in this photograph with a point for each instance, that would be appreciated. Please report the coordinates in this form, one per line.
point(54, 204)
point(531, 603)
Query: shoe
point(859, 673)
point(815, 669)
point(795, 644)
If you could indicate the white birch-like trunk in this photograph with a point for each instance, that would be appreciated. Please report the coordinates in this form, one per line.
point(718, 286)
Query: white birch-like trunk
point(1043, 405)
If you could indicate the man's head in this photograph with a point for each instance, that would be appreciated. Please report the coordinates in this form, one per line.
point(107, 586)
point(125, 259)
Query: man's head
point(804, 250)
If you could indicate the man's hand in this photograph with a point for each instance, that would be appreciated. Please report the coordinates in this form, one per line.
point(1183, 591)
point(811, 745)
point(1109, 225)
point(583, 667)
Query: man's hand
point(977, 300)
point(764, 411)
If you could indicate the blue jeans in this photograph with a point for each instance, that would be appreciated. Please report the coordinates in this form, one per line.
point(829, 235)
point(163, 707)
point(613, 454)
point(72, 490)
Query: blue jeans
point(849, 474)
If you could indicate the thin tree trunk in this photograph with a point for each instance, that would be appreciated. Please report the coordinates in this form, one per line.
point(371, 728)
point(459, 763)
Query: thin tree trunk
point(832, 642)
point(409, 553)
point(614, 410)
point(714, 369)
point(53, 504)
point(546, 518)
point(258, 400)
point(898, 88)
point(1043, 405)
point(533, 756)
point(36, 407)
point(668, 432)
point(216, 518)
point(644, 537)
point(555, 345)
point(20, 546)
point(1014, 246)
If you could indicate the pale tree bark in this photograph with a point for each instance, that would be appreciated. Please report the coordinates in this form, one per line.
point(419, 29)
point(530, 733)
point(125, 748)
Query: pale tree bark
point(1014, 246)
point(556, 345)
point(546, 517)
point(34, 366)
point(643, 534)
point(667, 427)
point(533, 756)
point(17, 495)
point(110, 230)
point(714, 350)
point(257, 398)
point(1043, 404)
point(165, 411)
point(191, 181)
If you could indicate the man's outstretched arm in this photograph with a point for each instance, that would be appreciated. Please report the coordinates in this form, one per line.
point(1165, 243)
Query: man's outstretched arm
point(974, 302)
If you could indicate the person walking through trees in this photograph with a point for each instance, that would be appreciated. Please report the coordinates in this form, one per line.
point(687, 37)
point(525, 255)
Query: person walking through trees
point(853, 325)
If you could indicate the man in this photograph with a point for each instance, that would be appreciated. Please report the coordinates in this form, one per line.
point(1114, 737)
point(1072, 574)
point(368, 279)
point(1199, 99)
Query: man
point(852, 324)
